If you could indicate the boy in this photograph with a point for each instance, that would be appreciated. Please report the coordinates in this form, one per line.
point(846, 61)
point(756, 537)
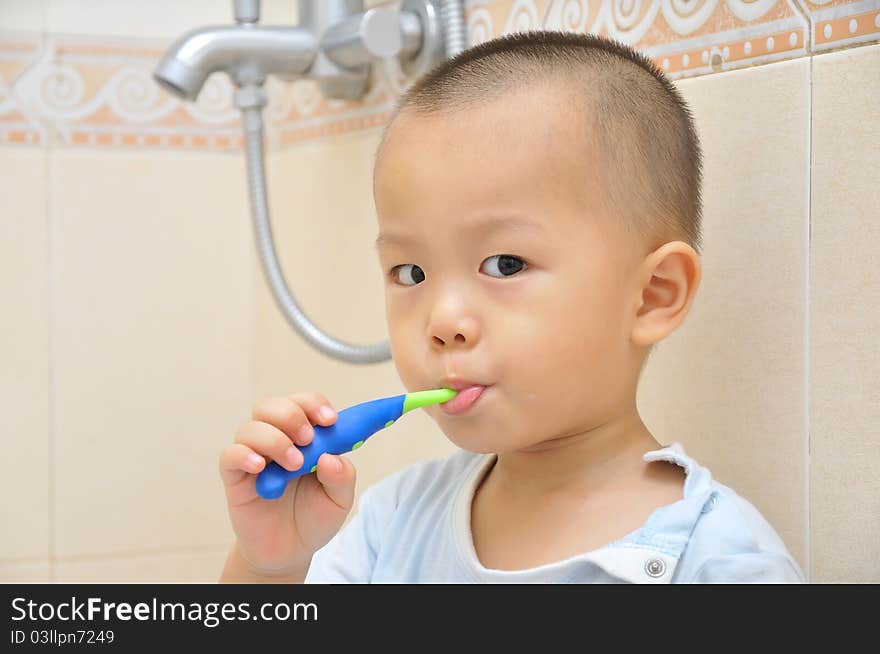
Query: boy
point(538, 199)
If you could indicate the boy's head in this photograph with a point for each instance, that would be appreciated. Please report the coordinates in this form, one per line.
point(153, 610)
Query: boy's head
point(538, 199)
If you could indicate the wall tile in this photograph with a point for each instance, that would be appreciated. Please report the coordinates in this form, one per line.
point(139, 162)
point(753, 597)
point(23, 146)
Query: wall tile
point(152, 336)
point(155, 19)
point(23, 16)
point(25, 572)
point(845, 318)
point(199, 566)
point(24, 352)
point(730, 383)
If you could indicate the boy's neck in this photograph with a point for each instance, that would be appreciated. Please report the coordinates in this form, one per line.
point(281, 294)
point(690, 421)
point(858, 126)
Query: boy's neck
point(609, 453)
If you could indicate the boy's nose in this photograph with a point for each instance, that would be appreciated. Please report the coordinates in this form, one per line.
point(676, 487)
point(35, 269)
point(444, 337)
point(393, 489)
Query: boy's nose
point(458, 338)
point(461, 333)
point(452, 323)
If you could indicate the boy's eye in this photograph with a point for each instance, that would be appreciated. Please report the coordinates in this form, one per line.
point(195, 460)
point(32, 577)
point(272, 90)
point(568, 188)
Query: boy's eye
point(414, 274)
point(507, 265)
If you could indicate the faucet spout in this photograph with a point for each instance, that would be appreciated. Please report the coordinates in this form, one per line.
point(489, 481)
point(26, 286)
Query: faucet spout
point(248, 53)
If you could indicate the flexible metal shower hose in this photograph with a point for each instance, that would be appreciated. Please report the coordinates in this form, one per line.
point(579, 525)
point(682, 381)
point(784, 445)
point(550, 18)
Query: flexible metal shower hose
point(359, 354)
point(252, 120)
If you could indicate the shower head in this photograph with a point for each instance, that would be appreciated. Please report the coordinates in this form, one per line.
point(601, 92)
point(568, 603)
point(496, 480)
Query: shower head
point(248, 53)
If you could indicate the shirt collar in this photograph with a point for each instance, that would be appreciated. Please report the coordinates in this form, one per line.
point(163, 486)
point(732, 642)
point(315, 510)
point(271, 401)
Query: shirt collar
point(649, 554)
point(653, 551)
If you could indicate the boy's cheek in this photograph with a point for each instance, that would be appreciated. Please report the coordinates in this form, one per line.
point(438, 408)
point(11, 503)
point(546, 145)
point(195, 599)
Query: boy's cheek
point(410, 367)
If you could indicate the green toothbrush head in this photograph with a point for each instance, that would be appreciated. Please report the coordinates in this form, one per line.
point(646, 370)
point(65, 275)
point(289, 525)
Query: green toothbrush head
point(427, 398)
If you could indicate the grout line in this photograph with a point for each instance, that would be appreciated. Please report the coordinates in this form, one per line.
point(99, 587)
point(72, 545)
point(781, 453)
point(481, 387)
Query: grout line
point(50, 135)
point(50, 322)
point(254, 275)
point(809, 27)
point(808, 326)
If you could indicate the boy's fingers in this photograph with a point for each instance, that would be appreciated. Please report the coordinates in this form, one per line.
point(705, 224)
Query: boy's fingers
point(337, 475)
point(268, 440)
point(286, 415)
point(294, 415)
point(237, 460)
point(316, 408)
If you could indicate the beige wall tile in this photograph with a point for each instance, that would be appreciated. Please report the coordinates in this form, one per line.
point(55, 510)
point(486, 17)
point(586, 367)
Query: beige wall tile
point(730, 383)
point(199, 566)
point(845, 318)
point(152, 339)
point(325, 224)
point(24, 353)
point(25, 572)
point(22, 15)
point(157, 18)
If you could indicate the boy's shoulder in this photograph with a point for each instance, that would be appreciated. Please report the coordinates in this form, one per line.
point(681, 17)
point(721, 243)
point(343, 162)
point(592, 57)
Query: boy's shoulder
point(728, 538)
point(732, 540)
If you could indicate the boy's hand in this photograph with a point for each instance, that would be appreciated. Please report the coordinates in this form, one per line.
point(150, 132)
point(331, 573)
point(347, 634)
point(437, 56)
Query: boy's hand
point(277, 536)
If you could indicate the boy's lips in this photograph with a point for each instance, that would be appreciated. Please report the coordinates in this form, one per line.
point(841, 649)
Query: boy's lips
point(465, 399)
point(459, 383)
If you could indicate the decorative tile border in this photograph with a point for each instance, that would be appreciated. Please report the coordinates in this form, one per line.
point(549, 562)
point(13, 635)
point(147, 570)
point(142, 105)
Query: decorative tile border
point(684, 37)
point(17, 54)
point(77, 91)
point(838, 23)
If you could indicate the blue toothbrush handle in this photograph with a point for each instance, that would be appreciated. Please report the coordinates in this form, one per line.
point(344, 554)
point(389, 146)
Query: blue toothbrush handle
point(352, 428)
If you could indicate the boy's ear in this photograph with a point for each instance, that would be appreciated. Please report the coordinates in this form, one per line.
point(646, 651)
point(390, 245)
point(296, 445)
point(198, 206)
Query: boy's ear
point(668, 280)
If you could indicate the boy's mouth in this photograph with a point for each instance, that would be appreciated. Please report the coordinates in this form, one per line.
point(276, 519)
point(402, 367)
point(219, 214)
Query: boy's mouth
point(465, 399)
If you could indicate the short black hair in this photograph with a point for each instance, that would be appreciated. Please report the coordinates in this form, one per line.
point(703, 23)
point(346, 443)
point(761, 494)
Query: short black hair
point(651, 158)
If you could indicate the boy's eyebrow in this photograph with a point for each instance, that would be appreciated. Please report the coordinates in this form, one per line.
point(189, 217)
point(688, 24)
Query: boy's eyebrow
point(485, 226)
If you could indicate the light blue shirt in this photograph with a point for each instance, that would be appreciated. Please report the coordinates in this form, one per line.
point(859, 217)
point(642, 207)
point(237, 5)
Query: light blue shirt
point(414, 527)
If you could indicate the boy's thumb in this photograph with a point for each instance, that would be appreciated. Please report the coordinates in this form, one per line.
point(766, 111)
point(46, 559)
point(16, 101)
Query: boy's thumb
point(337, 475)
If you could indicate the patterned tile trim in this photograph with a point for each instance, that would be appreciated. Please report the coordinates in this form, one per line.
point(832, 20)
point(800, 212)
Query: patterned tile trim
point(17, 126)
point(684, 37)
point(837, 23)
point(80, 91)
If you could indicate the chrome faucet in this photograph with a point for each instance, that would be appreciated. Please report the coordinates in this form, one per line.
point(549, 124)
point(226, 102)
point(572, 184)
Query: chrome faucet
point(335, 44)
point(247, 54)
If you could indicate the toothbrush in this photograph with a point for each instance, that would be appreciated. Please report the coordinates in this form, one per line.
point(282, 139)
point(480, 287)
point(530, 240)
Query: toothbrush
point(352, 428)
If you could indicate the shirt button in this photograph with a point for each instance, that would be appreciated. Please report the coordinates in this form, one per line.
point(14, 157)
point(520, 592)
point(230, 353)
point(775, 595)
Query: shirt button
point(655, 568)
